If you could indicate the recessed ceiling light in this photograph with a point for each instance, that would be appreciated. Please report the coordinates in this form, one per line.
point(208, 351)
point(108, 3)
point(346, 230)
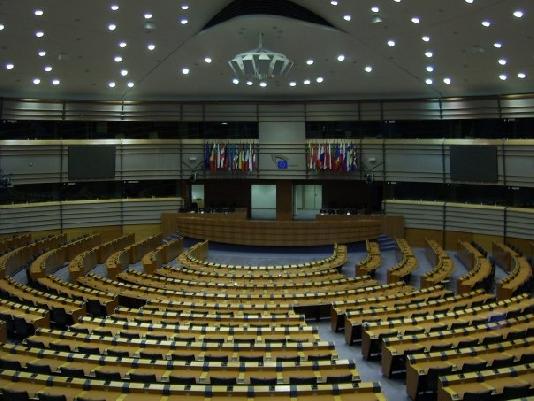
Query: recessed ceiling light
point(38, 13)
point(486, 23)
point(151, 46)
point(250, 83)
point(502, 61)
point(111, 84)
point(112, 27)
point(36, 81)
point(375, 9)
point(320, 80)
point(521, 75)
point(469, 1)
point(41, 53)
point(2, 27)
point(56, 82)
point(334, 3)
point(114, 7)
point(503, 77)
point(429, 68)
point(263, 84)
point(429, 54)
point(307, 82)
point(368, 68)
point(425, 38)
point(148, 16)
point(429, 81)
point(184, 21)
point(235, 81)
point(293, 83)
point(186, 71)
point(309, 62)
point(185, 7)
point(123, 44)
point(347, 17)
point(498, 45)
point(391, 43)
point(518, 13)
point(124, 73)
point(117, 59)
point(341, 58)
point(447, 81)
point(415, 20)
point(48, 68)
point(131, 84)
point(208, 60)
point(10, 66)
point(39, 34)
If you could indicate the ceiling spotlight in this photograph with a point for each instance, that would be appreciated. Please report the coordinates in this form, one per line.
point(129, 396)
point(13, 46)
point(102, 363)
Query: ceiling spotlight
point(208, 60)
point(131, 84)
point(117, 59)
point(250, 83)
point(347, 17)
point(235, 81)
point(503, 77)
point(307, 82)
point(114, 7)
point(293, 83)
point(469, 1)
point(320, 80)
point(368, 69)
point(416, 20)
point(425, 38)
point(334, 2)
point(185, 7)
point(111, 84)
point(341, 58)
point(124, 72)
point(486, 23)
point(521, 75)
point(447, 81)
point(502, 61)
point(151, 46)
point(36, 81)
point(39, 34)
point(429, 54)
point(10, 66)
point(56, 82)
point(112, 27)
point(375, 9)
point(429, 68)
point(123, 44)
point(518, 14)
point(41, 53)
point(2, 27)
point(263, 84)
point(184, 21)
point(309, 62)
point(148, 16)
point(38, 13)
point(185, 71)
point(429, 81)
point(498, 45)
point(391, 43)
point(48, 68)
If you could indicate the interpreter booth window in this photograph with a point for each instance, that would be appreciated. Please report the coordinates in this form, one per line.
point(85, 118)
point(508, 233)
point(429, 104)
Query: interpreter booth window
point(263, 202)
point(307, 201)
point(197, 196)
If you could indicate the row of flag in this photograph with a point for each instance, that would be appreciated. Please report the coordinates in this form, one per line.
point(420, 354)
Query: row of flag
point(337, 157)
point(230, 157)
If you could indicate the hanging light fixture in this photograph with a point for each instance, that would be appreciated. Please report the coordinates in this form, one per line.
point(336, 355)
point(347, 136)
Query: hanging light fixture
point(260, 65)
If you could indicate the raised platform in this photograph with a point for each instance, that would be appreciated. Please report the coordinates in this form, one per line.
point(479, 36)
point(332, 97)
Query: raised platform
point(322, 231)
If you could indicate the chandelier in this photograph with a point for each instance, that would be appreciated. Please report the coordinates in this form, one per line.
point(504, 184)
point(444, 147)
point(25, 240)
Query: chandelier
point(259, 65)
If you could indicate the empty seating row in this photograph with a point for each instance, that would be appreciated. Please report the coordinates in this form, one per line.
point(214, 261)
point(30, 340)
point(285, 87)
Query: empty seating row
point(10, 243)
point(481, 272)
point(133, 253)
point(162, 255)
point(519, 277)
point(443, 265)
point(407, 263)
point(371, 262)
